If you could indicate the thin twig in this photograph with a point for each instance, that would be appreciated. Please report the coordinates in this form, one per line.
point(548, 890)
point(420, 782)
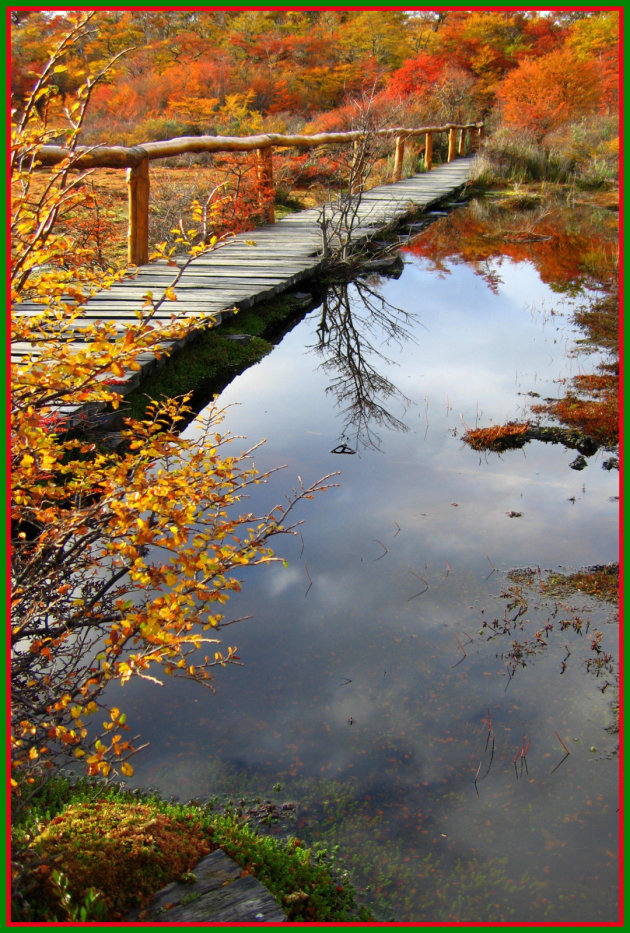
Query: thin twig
point(463, 652)
point(385, 550)
point(562, 760)
point(561, 742)
point(426, 587)
point(491, 759)
point(490, 732)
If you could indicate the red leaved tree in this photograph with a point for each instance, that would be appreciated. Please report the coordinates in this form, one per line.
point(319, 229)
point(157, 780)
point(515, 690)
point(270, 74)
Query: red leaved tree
point(545, 93)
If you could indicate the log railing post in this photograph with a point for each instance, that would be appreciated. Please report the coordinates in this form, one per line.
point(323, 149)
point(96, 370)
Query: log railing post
point(138, 231)
point(266, 190)
point(358, 167)
point(136, 160)
point(428, 151)
point(398, 158)
point(452, 143)
point(462, 142)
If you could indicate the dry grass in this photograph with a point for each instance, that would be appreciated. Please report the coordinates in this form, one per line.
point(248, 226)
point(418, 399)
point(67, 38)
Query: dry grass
point(228, 181)
point(498, 438)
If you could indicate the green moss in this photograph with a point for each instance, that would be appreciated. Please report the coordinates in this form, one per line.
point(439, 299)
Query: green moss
point(265, 320)
point(602, 582)
point(207, 364)
point(91, 852)
point(203, 368)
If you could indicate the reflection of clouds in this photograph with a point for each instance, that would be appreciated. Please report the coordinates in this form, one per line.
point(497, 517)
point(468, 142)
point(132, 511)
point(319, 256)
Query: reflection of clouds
point(280, 582)
point(417, 719)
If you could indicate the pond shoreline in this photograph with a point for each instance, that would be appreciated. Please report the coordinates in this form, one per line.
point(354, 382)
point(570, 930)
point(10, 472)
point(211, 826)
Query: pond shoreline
point(397, 749)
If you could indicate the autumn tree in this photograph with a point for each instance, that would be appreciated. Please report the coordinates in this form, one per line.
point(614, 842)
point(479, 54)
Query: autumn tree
point(547, 92)
point(595, 39)
point(122, 559)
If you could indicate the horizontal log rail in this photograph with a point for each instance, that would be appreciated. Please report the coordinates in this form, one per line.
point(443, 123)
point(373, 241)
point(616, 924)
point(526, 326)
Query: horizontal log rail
point(136, 160)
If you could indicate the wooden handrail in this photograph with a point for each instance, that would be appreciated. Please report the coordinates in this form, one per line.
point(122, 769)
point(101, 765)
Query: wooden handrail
point(136, 160)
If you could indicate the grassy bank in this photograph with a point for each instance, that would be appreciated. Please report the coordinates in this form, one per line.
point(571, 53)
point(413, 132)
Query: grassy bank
point(83, 851)
point(584, 154)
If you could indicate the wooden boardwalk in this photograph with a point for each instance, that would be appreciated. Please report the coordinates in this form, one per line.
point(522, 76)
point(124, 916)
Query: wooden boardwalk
point(239, 274)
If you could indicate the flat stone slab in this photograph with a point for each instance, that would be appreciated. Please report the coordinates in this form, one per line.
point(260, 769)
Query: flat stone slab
point(220, 893)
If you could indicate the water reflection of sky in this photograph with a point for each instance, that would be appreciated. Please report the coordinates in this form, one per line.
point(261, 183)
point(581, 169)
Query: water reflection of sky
point(355, 677)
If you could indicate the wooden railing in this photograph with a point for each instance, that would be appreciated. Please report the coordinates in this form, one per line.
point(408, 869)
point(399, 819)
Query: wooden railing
point(136, 160)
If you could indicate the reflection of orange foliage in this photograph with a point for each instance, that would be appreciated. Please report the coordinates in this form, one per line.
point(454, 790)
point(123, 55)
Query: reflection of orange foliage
point(597, 415)
point(500, 437)
point(567, 247)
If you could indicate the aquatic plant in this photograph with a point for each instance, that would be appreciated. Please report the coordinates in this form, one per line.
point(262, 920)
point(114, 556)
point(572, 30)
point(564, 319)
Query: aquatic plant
point(499, 437)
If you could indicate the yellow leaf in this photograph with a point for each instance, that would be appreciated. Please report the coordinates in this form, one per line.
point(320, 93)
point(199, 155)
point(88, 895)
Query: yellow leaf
point(126, 769)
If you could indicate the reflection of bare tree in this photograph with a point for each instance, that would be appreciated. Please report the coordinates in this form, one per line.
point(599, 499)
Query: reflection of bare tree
point(355, 321)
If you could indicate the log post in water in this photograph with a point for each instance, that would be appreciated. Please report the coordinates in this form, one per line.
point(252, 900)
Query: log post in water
point(452, 143)
point(428, 152)
point(266, 190)
point(462, 142)
point(398, 158)
point(138, 230)
point(358, 167)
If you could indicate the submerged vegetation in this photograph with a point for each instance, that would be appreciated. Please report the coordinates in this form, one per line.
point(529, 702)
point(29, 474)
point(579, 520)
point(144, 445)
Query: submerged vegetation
point(216, 356)
point(552, 594)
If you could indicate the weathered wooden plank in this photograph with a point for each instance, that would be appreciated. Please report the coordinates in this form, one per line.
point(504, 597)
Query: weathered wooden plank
point(258, 271)
point(188, 292)
point(256, 265)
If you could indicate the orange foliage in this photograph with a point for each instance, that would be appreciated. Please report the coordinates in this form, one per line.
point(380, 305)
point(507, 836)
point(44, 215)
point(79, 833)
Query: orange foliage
point(498, 438)
point(417, 76)
point(544, 93)
point(592, 406)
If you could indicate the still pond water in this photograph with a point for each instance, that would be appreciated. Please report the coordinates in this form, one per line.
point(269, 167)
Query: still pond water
point(369, 681)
